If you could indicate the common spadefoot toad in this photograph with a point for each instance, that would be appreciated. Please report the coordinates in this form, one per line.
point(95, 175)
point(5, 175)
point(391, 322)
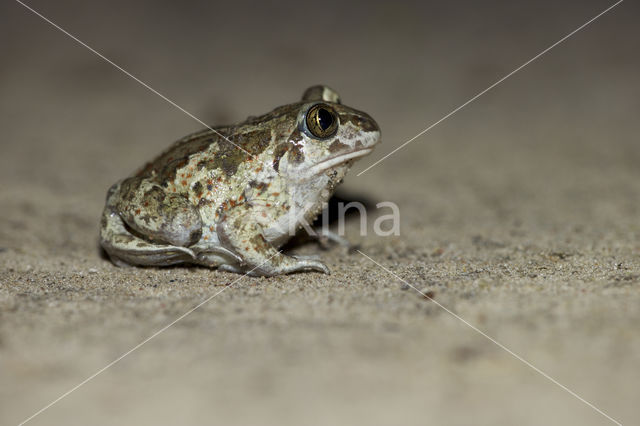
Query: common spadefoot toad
point(206, 201)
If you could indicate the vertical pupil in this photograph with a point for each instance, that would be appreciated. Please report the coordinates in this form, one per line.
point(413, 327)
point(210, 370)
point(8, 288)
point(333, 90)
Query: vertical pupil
point(325, 119)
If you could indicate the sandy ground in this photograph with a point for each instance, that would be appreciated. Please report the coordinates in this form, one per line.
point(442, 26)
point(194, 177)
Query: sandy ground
point(520, 214)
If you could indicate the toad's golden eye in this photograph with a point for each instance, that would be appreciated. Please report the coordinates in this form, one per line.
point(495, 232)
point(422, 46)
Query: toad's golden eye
point(322, 121)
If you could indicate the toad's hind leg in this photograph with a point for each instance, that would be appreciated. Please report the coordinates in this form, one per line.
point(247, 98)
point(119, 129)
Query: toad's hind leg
point(157, 215)
point(125, 248)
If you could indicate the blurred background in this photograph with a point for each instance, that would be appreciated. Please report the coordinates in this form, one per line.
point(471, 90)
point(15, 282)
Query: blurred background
point(520, 212)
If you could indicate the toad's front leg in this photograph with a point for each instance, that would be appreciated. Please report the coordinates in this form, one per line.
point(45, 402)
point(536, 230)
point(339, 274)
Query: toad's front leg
point(242, 234)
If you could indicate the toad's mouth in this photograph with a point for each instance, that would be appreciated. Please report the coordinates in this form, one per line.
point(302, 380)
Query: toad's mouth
point(331, 162)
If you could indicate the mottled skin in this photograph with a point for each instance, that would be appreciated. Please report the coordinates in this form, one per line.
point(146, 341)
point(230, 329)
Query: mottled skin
point(207, 202)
